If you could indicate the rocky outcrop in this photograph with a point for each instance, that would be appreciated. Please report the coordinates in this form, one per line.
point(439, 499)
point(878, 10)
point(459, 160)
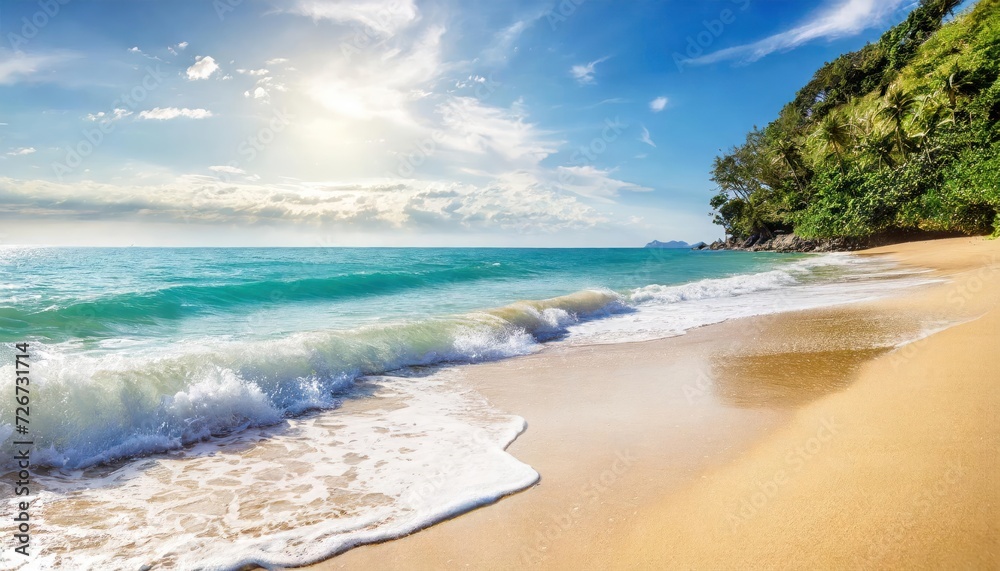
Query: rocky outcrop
point(792, 243)
point(789, 243)
point(784, 243)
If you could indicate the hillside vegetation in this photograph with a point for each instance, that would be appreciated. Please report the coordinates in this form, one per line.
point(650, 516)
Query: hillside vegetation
point(899, 136)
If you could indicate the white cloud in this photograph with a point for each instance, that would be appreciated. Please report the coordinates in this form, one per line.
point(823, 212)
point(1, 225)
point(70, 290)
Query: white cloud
point(136, 50)
point(257, 93)
point(202, 68)
point(270, 83)
point(161, 114)
point(384, 84)
point(658, 104)
point(503, 41)
point(470, 81)
point(364, 205)
point(645, 138)
point(610, 101)
point(227, 169)
point(501, 136)
point(584, 74)
point(20, 65)
point(116, 114)
point(21, 151)
point(592, 182)
point(840, 18)
point(386, 17)
point(276, 61)
point(261, 71)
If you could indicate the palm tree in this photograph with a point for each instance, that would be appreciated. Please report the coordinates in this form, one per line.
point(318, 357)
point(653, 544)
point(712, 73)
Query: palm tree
point(951, 85)
point(944, 7)
point(836, 136)
point(788, 153)
point(873, 139)
point(933, 121)
point(898, 104)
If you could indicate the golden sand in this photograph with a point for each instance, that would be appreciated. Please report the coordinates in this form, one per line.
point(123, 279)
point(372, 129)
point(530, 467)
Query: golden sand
point(798, 440)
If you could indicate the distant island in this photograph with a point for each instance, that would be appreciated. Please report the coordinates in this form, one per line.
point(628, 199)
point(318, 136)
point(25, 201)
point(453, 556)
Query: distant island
point(673, 244)
point(900, 138)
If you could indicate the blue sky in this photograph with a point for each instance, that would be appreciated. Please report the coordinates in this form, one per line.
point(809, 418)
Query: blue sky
point(392, 122)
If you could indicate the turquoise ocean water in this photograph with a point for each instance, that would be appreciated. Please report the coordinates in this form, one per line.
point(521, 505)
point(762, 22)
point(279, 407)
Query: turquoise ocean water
point(139, 353)
point(93, 295)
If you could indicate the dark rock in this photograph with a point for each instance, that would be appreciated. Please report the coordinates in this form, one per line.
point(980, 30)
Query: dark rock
point(782, 242)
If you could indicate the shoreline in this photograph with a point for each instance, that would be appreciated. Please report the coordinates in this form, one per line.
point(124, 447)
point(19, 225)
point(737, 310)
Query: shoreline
point(627, 470)
point(791, 243)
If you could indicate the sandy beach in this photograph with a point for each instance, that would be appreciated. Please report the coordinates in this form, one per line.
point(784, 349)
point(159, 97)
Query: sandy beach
point(810, 439)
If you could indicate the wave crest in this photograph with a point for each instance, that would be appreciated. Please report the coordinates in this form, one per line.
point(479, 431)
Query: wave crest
point(113, 406)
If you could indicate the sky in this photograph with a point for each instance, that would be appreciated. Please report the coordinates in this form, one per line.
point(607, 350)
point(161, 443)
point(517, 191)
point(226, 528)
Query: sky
point(577, 123)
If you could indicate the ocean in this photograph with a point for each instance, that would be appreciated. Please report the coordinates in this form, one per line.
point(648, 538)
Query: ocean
point(214, 408)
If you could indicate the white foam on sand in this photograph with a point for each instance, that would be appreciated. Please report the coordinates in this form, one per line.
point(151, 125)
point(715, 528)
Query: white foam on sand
point(414, 451)
point(819, 281)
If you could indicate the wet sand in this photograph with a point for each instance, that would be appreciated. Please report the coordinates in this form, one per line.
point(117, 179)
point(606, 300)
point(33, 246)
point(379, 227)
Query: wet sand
point(798, 440)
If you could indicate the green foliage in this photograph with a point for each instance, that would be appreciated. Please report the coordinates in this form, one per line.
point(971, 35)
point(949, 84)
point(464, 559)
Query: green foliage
point(903, 134)
point(969, 198)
